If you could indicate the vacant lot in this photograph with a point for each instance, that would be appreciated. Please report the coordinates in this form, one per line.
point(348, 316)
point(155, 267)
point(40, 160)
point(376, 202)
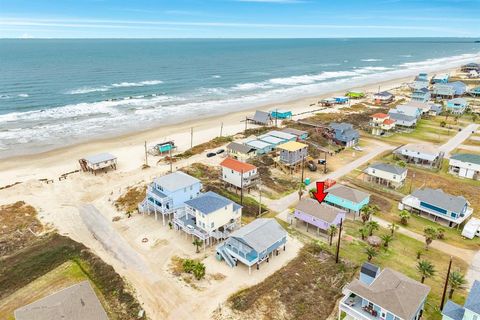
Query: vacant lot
point(306, 288)
point(35, 263)
point(128, 202)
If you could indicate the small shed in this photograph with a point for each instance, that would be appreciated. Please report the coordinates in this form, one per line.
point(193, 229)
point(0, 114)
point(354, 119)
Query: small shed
point(100, 161)
point(341, 100)
point(165, 147)
point(281, 114)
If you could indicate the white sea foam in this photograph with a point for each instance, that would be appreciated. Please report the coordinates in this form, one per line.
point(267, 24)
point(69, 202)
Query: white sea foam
point(23, 95)
point(84, 90)
point(371, 60)
point(216, 76)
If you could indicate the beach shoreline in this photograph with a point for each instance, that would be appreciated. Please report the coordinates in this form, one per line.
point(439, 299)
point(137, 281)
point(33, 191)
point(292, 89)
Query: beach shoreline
point(129, 147)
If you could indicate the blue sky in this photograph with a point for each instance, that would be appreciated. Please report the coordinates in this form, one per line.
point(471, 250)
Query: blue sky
point(238, 18)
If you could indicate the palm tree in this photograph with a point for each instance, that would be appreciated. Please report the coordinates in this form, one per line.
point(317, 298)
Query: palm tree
point(365, 214)
point(426, 269)
point(371, 252)
point(402, 163)
point(474, 117)
point(197, 243)
point(404, 216)
point(372, 226)
point(332, 231)
point(386, 238)
point(393, 227)
point(440, 233)
point(443, 124)
point(199, 270)
point(419, 254)
point(430, 234)
point(456, 281)
point(364, 232)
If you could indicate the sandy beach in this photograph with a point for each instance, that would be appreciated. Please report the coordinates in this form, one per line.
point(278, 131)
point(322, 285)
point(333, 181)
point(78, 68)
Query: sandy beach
point(129, 148)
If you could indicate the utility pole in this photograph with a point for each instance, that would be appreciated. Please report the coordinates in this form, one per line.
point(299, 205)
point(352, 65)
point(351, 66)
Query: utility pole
point(276, 117)
point(325, 164)
point(191, 138)
point(338, 242)
point(146, 154)
point(241, 188)
point(221, 129)
point(300, 189)
point(171, 160)
point(246, 121)
point(446, 284)
point(411, 182)
point(260, 200)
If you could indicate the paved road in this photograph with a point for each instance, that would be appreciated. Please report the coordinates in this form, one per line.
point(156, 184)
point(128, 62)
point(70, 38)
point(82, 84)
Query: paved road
point(287, 201)
point(458, 139)
point(474, 269)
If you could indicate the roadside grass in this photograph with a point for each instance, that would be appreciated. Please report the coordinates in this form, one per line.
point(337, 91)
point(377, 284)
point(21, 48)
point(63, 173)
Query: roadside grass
point(65, 275)
point(51, 251)
point(129, 201)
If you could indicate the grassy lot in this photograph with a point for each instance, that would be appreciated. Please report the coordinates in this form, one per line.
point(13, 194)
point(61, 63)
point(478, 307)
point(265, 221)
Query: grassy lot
point(59, 278)
point(128, 202)
point(306, 288)
point(32, 258)
point(401, 256)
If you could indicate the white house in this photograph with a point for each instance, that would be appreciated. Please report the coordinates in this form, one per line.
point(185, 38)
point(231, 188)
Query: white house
point(465, 165)
point(208, 216)
point(386, 174)
point(409, 110)
point(381, 123)
point(420, 154)
point(99, 161)
point(239, 174)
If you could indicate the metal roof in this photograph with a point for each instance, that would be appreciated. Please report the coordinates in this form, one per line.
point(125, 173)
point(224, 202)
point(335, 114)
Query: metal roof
point(281, 135)
point(295, 132)
point(466, 157)
point(261, 117)
point(239, 147)
point(401, 117)
point(271, 139)
point(99, 158)
point(292, 146)
point(441, 199)
point(260, 234)
point(258, 144)
point(394, 292)
point(321, 211)
point(389, 168)
point(344, 192)
point(209, 202)
point(77, 302)
point(453, 310)
point(473, 300)
point(176, 181)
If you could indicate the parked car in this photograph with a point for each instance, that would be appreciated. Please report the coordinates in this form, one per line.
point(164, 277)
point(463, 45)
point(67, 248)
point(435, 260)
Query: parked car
point(211, 154)
point(322, 161)
point(311, 166)
point(220, 151)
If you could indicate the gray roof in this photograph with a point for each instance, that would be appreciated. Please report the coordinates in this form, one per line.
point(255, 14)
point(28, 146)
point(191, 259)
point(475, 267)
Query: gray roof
point(260, 234)
point(453, 310)
point(99, 158)
point(344, 192)
point(295, 132)
point(176, 181)
point(394, 292)
point(422, 90)
point(384, 94)
point(389, 168)
point(473, 300)
point(467, 157)
point(321, 211)
point(342, 126)
point(436, 107)
point(210, 201)
point(441, 199)
point(262, 117)
point(239, 147)
point(401, 117)
point(77, 302)
point(369, 269)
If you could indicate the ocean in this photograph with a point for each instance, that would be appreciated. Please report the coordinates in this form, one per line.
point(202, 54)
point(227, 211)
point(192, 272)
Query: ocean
point(59, 92)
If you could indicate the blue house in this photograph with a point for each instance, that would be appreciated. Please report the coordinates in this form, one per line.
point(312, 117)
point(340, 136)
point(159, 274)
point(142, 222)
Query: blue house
point(347, 198)
point(253, 244)
point(344, 134)
point(261, 147)
point(281, 114)
point(421, 95)
point(386, 294)
point(168, 194)
point(341, 100)
point(475, 92)
point(300, 134)
point(459, 87)
point(440, 206)
point(469, 311)
point(457, 106)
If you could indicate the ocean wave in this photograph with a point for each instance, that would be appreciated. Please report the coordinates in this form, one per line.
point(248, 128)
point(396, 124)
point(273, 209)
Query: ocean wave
point(251, 86)
point(23, 95)
point(84, 90)
point(372, 60)
point(4, 96)
point(216, 76)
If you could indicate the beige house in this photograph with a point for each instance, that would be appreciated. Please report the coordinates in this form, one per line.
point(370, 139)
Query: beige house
point(386, 174)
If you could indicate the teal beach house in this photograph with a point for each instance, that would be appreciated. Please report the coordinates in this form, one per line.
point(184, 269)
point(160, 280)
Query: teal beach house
point(349, 199)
